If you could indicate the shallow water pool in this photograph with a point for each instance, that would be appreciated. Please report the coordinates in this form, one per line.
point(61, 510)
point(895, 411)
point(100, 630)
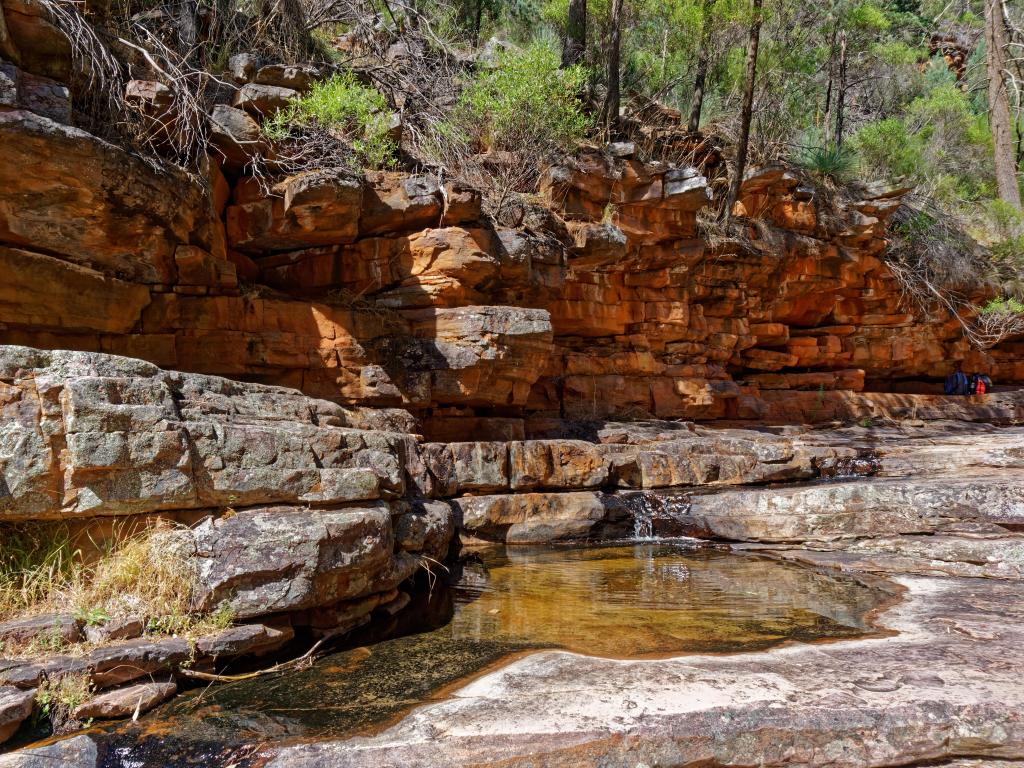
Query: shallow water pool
point(626, 601)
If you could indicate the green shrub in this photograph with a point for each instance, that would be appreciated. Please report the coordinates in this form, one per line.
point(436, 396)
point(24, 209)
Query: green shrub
point(941, 144)
point(868, 16)
point(888, 150)
point(1003, 306)
point(831, 162)
point(1009, 252)
point(344, 107)
point(896, 52)
point(525, 103)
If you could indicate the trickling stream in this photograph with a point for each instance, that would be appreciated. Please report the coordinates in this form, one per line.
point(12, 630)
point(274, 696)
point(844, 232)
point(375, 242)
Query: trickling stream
point(639, 600)
point(657, 514)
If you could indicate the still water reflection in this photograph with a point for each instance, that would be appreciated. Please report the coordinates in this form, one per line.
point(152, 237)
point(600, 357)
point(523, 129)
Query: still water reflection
point(624, 601)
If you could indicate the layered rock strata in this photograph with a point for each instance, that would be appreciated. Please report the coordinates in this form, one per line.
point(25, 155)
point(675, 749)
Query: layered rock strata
point(400, 369)
point(295, 508)
point(388, 289)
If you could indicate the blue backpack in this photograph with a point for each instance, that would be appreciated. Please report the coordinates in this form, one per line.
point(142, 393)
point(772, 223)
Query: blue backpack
point(956, 384)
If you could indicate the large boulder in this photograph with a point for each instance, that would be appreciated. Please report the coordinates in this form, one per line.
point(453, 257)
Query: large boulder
point(40, 291)
point(125, 702)
point(534, 518)
point(88, 434)
point(479, 355)
point(114, 212)
point(76, 752)
point(308, 209)
point(15, 707)
point(279, 559)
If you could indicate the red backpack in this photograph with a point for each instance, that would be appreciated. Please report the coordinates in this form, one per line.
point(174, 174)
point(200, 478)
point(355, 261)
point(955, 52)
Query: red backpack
point(980, 388)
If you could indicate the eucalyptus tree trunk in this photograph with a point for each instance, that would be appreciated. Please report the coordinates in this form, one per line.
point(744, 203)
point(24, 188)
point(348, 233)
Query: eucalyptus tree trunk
point(613, 102)
point(841, 94)
point(747, 113)
point(575, 46)
point(477, 19)
point(999, 105)
point(701, 76)
point(827, 122)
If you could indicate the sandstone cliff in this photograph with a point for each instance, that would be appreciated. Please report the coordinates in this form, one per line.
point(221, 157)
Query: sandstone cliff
point(328, 379)
point(393, 290)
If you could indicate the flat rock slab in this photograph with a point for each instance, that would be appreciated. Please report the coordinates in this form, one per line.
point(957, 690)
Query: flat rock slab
point(125, 702)
point(79, 752)
point(947, 685)
point(29, 674)
point(61, 629)
point(131, 660)
point(247, 639)
point(116, 629)
point(855, 509)
point(979, 556)
point(15, 707)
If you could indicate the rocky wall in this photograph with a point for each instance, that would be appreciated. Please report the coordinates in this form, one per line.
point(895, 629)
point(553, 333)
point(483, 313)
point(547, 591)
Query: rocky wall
point(392, 290)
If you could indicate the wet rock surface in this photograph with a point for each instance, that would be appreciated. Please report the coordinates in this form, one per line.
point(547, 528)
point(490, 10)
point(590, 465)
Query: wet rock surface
point(939, 689)
point(125, 702)
point(76, 752)
point(611, 600)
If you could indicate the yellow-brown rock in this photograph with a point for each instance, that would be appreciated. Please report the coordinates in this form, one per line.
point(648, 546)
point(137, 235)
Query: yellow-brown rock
point(391, 290)
point(43, 292)
point(314, 208)
point(67, 193)
point(541, 464)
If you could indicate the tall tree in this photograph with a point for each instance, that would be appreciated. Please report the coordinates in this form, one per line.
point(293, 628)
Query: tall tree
point(703, 55)
point(614, 99)
point(827, 122)
point(999, 105)
point(841, 94)
point(747, 113)
point(575, 46)
point(477, 20)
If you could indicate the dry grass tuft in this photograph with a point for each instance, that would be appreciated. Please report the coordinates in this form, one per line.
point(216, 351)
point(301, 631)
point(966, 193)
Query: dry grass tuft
point(136, 571)
point(33, 559)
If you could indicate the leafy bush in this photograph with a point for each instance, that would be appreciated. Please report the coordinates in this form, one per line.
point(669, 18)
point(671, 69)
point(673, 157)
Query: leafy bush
point(942, 144)
point(57, 699)
point(888, 150)
point(1003, 306)
point(344, 107)
point(897, 52)
point(868, 16)
point(525, 103)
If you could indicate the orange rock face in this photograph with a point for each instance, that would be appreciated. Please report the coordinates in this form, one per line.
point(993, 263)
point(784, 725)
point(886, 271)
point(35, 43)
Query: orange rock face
point(391, 290)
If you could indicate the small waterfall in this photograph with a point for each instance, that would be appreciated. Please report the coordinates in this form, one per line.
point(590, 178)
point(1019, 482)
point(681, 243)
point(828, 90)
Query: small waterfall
point(643, 519)
point(657, 515)
point(850, 467)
